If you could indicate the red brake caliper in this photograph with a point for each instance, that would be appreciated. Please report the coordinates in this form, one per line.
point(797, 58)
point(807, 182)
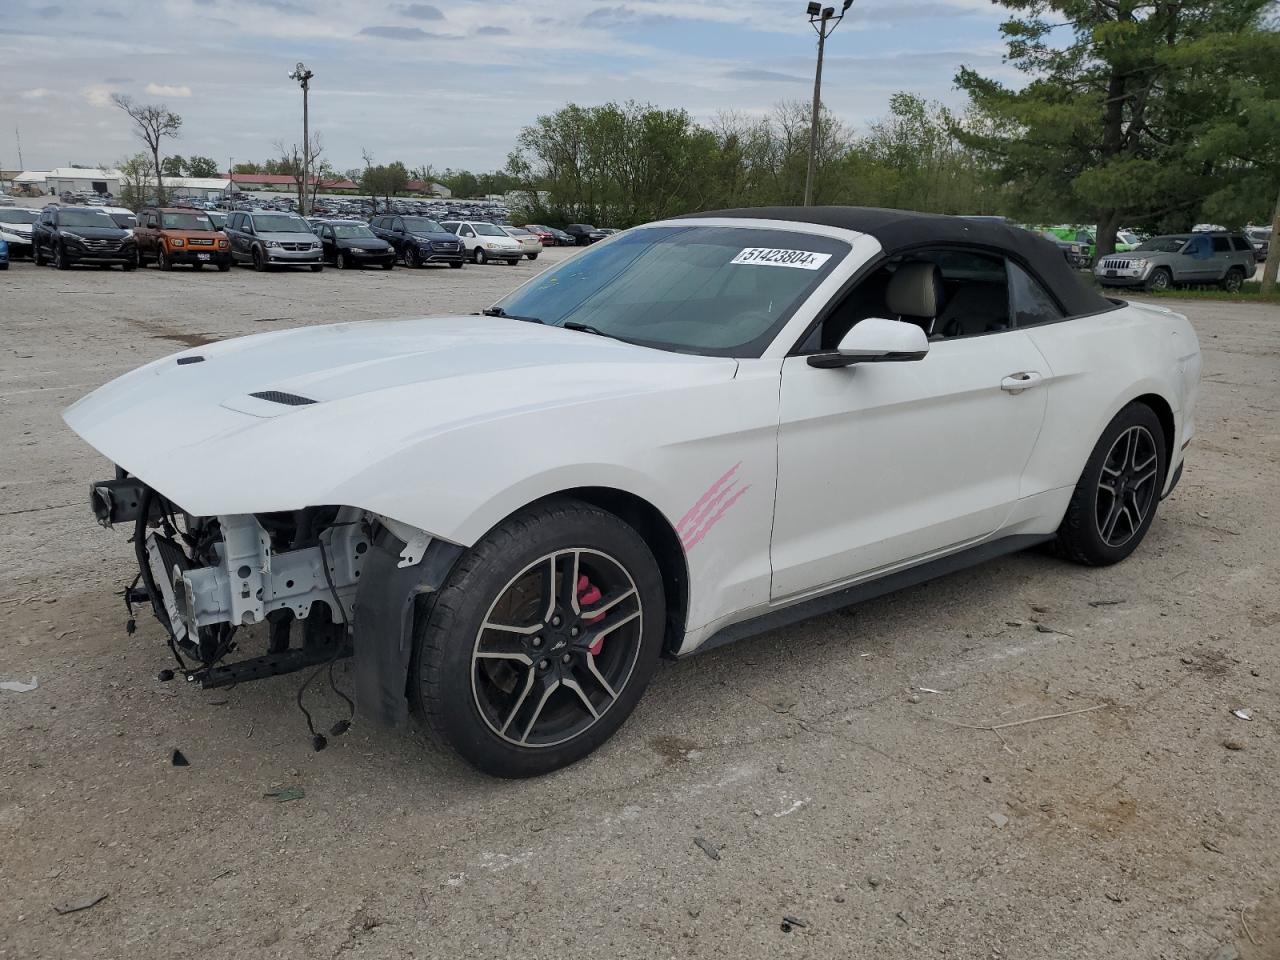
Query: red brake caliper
point(589, 593)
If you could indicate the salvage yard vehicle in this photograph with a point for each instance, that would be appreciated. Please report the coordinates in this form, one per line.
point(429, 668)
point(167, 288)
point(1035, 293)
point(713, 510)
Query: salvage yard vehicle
point(269, 240)
point(1220, 258)
point(169, 235)
point(529, 243)
point(4, 255)
point(15, 230)
point(350, 244)
point(66, 236)
point(486, 241)
point(420, 240)
point(695, 431)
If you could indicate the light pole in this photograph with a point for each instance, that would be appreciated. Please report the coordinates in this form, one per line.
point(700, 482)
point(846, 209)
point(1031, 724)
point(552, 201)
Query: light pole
point(303, 76)
point(824, 21)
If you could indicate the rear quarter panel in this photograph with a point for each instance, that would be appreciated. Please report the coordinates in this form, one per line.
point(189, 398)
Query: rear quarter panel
point(1097, 365)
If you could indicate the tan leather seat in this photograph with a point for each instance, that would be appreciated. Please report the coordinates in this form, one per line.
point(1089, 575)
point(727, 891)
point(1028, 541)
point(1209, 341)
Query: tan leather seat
point(915, 294)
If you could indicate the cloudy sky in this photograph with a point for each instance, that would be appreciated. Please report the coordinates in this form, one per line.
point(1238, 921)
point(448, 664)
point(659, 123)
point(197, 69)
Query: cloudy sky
point(449, 82)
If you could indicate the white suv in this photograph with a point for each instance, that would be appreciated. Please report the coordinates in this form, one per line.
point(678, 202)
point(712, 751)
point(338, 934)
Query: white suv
point(486, 241)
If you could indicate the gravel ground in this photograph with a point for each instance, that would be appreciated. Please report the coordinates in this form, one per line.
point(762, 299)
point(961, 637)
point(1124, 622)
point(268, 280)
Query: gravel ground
point(815, 773)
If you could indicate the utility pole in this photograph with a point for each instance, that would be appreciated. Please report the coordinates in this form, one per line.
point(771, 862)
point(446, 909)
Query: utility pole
point(18, 136)
point(824, 21)
point(303, 76)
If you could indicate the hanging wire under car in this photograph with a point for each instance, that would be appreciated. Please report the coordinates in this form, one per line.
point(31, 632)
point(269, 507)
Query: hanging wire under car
point(318, 740)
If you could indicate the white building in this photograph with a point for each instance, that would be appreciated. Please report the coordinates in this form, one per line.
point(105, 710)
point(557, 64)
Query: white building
point(203, 188)
point(32, 181)
point(82, 180)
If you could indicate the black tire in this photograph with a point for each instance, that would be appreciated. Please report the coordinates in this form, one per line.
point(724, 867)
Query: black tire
point(340, 260)
point(456, 266)
point(532, 256)
point(1114, 502)
point(37, 256)
point(1233, 281)
point(1161, 279)
point(479, 257)
point(223, 266)
point(317, 267)
point(389, 265)
point(197, 265)
point(138, 260)
point(259, 261)
point(162, 259)
point(449, 680)
point(128, 267)
point(412, 258)
point(60, 259)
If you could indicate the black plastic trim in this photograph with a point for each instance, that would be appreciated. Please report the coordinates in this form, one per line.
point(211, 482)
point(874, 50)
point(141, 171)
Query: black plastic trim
point(279, 396)
point(870, 589)
point(1177, 475)
point(382, 632)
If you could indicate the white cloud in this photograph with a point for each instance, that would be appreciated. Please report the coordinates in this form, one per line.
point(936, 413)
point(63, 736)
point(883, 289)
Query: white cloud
point(39, 93)
point(165, 90)
point(99, 94)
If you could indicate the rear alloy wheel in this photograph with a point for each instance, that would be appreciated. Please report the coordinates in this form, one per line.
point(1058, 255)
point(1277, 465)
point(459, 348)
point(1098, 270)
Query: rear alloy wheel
point(479, 256)
point(541, 641)
point(1234, 280)
point(1160, 280)
point(1116, 497)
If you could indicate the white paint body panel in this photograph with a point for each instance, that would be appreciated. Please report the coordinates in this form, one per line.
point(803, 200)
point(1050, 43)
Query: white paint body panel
point(450, 425)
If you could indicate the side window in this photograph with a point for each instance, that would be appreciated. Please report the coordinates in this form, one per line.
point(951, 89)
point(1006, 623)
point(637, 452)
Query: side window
point(151, 220)
point(1241, 244)
point(398, 225)
point(1197, 246)
point(1221, 245)
point(1029, 302)
point(468, 232)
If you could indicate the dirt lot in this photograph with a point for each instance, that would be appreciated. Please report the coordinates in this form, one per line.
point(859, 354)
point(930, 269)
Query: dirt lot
point(817, 762)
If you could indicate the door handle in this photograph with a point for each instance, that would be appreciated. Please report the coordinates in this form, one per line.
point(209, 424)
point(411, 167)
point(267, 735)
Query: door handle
point(1015, 383)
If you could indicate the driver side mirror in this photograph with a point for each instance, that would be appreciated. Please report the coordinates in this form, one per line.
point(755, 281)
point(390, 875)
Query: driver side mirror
point(876, 340)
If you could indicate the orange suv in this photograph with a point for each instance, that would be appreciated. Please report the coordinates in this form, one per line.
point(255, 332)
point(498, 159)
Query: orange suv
point(170, 235)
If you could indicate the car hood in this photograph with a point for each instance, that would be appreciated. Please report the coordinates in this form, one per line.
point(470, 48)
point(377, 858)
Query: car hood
point(97, 233)
point(16, 229)
point(437, 237)
point(362, 243)
point(332, 400)
point(288, 237)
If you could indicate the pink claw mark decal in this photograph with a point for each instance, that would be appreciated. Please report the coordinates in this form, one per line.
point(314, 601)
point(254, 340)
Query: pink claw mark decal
point(710, 508)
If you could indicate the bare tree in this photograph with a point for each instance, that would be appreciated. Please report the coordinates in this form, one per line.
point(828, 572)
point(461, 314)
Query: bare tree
point(154, 122)
point(293, 160)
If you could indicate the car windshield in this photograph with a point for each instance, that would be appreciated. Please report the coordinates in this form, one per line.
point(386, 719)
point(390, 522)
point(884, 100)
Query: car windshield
point(717, 291)
point(1125, 237)
point(85, 218)
point(422, 225)
point(125, 221)
point(488, 230)
point(1163, 244)
point(279, 223)
point(18, 215)
point(350, 231)
point(185, 221)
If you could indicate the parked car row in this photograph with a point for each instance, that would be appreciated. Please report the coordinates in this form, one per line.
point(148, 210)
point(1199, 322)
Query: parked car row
point(170, 236)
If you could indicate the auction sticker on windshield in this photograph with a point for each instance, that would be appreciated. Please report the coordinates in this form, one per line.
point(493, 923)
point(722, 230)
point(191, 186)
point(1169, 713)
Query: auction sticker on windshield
point(774, 257)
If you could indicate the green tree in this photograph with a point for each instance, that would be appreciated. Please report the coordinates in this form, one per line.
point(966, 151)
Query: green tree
point(1124, 101)
point(174, 166)
point(136, 180)
point(202, 167)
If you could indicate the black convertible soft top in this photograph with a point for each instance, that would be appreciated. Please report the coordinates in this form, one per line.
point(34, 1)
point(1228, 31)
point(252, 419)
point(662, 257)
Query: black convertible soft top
point(899, 230)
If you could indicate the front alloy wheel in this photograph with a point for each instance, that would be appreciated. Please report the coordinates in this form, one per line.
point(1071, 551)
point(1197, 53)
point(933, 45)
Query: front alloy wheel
point(542, 640)
point(479, 256)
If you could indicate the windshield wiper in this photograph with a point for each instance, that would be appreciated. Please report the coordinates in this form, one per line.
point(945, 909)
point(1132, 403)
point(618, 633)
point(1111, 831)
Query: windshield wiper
point(588, 328)
point(499, 312)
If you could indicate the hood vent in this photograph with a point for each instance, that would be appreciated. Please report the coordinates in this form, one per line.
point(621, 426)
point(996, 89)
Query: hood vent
point(277, 396)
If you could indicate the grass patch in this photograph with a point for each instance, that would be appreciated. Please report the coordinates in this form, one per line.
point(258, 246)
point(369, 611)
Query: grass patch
point(1250, 292)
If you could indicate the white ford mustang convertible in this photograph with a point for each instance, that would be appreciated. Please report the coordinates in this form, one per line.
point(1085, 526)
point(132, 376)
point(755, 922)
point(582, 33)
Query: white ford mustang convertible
point(689, 433)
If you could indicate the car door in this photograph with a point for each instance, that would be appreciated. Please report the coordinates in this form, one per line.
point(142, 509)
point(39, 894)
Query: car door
point(1195, 260)
point(145, 234)
point(884, 464)
point(1223, 257)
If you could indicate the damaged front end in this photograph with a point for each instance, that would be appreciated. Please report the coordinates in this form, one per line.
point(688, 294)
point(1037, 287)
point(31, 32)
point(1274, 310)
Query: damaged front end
point(346, 578)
